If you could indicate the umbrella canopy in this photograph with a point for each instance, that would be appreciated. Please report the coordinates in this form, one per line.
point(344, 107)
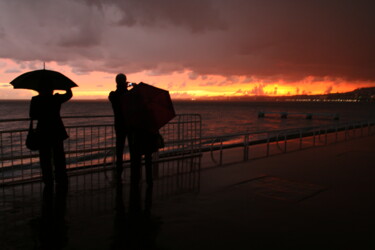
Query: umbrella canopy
point(42, 79)
point(151, 107)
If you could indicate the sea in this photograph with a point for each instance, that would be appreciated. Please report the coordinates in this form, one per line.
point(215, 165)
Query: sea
point(218, 117)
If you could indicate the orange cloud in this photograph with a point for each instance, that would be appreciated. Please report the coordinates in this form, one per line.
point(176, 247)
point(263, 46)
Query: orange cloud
point(182, 85)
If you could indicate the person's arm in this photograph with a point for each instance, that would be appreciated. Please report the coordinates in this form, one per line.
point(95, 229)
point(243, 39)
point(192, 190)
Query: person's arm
point(65, 97)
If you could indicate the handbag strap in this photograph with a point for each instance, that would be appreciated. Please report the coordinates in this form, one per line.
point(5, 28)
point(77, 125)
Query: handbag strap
point(31, 124)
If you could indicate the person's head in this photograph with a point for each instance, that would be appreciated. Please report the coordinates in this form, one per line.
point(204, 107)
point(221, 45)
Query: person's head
point(121, 81)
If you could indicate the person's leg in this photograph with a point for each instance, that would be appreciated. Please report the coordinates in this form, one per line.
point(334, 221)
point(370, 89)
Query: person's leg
point(45, 158)
point(135, 168)
point(60, 163)
point(120, 144)
point(148, 166)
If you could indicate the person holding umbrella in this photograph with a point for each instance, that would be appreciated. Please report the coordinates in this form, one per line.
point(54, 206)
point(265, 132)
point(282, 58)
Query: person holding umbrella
point(45, 109)
point(150, 108)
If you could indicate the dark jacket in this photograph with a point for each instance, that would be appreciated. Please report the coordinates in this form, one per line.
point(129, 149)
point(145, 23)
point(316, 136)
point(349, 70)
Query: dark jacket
point(145, 142)
point(46, 110)
point(119, 100)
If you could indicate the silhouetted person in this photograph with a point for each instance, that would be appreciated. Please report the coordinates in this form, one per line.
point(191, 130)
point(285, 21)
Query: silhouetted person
point(143, 140)
point(45, 108)
point(118, 99)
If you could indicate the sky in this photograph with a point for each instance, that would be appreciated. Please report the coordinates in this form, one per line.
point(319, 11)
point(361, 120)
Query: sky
point(194, 48)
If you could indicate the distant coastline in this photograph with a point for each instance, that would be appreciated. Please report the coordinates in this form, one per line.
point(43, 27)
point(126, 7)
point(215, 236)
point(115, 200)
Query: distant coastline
point(357, 95)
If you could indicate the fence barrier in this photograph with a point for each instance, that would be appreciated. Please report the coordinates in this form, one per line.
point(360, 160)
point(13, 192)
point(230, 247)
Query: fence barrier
point(253, 145)
point(91, 145)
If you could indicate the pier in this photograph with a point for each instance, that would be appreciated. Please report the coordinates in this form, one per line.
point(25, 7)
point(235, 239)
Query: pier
point(284, 115)
point(279, 202)
point(307, 188)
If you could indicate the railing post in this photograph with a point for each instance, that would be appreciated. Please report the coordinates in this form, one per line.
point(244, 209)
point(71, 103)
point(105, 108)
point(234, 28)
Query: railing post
point(285, 142)
point(221, 151)
point(155, 165)
point(11, 153)
point(314, 138)
point(1, 156)
point(326, 137)
point(245, 148)
point(345, 133)
point(368, 128)
point(21, 151)
point(178, 131)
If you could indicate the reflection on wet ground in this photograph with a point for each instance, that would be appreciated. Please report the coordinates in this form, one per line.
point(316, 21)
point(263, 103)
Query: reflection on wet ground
point(93, 212)
point(320, 198)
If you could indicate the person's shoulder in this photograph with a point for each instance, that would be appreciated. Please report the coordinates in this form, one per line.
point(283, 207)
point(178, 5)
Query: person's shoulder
point(34, 99)
point(112, 95)
point(37, 98)
point(117, 93)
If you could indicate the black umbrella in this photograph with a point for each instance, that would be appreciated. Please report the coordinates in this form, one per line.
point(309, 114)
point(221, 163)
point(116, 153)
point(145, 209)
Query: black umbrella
point(149, 108)
point(42, 79)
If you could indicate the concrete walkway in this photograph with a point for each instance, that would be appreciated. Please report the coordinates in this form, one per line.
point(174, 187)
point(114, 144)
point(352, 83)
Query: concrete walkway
point(318, 198)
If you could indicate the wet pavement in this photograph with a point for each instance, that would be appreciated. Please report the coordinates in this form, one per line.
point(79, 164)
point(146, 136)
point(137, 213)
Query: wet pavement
point(318, 198)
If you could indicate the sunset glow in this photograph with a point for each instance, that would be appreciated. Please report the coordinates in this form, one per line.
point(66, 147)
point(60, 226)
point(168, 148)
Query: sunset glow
point(96, 85)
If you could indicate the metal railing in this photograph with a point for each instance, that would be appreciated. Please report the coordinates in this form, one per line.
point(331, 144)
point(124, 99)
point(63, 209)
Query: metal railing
point(91, 145)
point(252, 145)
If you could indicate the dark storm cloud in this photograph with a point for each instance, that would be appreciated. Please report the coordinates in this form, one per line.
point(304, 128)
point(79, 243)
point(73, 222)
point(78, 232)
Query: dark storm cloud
point(262, 39)
point(48, 30)
point(2, 32)
point(196, 15)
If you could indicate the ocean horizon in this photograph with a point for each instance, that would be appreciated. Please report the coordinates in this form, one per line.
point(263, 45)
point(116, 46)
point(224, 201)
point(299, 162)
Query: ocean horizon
point(218, 117)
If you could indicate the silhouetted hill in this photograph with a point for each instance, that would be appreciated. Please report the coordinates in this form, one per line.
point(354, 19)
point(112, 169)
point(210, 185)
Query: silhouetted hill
point(361, 94)
point(357, 95)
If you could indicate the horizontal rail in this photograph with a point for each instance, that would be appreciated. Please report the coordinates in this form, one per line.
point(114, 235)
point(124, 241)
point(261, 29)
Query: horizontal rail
point(309, 115)
point(299, 137)
point(81, 116)
point(310, 128)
